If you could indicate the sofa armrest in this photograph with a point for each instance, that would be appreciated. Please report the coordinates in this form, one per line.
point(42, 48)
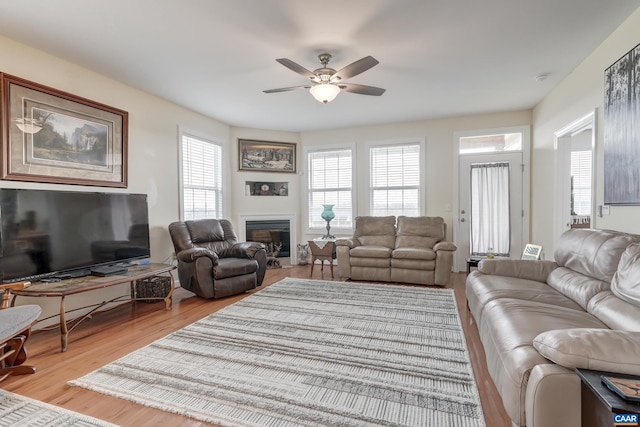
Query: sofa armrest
point(350, 243)
point(523, 269)
point(445, 246)
point(192, 254)
point(596, 349)
point(553, 397)
point(241, 250)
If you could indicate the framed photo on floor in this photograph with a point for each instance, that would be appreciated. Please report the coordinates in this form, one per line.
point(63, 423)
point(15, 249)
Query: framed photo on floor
point(55, 137)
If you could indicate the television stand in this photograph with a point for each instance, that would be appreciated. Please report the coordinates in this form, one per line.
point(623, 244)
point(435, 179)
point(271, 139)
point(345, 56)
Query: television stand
point(79, 285)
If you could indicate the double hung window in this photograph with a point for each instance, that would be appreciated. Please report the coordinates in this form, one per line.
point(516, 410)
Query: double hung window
point(330, 182)
point(395, 180)
point(201, 182)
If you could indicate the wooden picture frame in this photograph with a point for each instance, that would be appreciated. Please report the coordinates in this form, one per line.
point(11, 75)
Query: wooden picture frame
point(532, 251)
point(266, 156)
point(55, 137)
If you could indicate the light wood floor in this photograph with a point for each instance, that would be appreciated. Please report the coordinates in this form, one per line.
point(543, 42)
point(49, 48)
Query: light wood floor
point(113, 334)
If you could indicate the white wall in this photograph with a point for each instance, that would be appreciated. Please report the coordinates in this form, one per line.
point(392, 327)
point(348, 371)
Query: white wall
point(580, 93)
point(153, 148)
point(438, 133)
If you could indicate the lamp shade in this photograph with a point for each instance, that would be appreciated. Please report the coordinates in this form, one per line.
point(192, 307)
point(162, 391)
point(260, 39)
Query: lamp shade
point(325, 92)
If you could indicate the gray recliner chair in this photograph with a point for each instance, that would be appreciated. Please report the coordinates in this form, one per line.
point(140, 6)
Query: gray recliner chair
point(211, 261)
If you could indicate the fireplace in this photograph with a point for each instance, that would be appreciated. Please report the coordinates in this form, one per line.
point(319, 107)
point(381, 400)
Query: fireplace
point(275, 222)
point(275, 234)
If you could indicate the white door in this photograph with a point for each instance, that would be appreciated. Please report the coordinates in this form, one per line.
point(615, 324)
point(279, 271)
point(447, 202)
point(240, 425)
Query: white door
point(516, 208)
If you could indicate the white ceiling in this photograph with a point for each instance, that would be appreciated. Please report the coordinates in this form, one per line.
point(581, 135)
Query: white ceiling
point(437, 58)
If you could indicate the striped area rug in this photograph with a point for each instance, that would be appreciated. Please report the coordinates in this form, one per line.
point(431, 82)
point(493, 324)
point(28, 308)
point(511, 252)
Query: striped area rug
point(16, 410)
point(310, 353)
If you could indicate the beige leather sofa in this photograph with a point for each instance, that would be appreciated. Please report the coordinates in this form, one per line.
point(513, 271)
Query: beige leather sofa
point(539, 320)
point(411, 251)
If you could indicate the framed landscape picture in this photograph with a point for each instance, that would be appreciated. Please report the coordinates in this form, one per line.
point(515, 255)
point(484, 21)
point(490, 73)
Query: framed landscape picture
point(265, 156)
point(56, 137)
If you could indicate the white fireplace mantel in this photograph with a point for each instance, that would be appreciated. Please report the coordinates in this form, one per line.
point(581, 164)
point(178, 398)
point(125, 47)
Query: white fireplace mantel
point(242, 229)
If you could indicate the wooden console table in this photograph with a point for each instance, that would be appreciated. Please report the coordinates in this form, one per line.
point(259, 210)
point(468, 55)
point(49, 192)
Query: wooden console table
point(89, 283)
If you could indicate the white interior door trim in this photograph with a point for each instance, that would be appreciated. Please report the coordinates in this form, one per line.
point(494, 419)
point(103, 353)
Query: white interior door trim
point(459, 264)
point(587, 121)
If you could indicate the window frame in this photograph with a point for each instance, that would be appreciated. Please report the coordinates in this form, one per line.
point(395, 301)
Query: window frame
point(421, 142)
point(182, 133)
point(307, 191)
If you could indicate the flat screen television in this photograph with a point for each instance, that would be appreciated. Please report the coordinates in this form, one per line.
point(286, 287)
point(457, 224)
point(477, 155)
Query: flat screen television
point(54, 233)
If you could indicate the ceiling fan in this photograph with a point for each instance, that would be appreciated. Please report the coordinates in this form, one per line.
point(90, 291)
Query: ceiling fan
point(326, 83)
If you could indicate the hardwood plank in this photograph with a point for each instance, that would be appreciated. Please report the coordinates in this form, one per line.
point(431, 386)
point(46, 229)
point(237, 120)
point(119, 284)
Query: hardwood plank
point(117, 332)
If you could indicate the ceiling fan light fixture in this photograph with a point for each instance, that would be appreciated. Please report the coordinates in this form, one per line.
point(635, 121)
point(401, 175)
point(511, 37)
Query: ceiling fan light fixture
point(325, 92)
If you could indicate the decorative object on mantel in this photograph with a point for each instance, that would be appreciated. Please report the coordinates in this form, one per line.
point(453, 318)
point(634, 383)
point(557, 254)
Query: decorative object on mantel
point(265, 156)
point(56, 137)
point(261, 188)
point(622, 131)
point(327, 214)
point(326, 83)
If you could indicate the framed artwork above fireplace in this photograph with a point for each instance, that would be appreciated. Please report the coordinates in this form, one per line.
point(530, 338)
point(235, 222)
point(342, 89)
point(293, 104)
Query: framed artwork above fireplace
point(266, 156)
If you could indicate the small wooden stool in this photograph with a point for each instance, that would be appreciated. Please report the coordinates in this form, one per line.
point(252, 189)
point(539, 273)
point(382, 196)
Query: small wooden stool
point(325, 253)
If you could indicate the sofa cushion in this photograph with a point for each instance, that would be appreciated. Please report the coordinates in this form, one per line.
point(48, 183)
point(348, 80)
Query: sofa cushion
point(626, 281)
point(205, 230)
point(507, 329)
point(376, 231)
point(537, 270)
point(595, 349)
point(231, 267)
point(419, 232)
point(371, 262)
point(482, 288)
point(593, 253)
point(576, 286)
point(413, 253)
point(370, 252)
point(614, 312)
point(414, 264)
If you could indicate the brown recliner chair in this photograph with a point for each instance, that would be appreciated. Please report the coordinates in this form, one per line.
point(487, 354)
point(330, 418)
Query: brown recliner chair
point(211, 262)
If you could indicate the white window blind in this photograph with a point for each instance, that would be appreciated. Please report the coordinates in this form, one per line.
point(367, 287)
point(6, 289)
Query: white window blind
point(581, 163)
point(395, 180)
point(201, 178)
point(330, 182)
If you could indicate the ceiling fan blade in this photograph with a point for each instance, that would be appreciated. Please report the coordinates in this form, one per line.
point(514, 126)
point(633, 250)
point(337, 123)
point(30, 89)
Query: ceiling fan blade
point(355, 68)
point(297, 68)
point(361, 89)
point(286, 89)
